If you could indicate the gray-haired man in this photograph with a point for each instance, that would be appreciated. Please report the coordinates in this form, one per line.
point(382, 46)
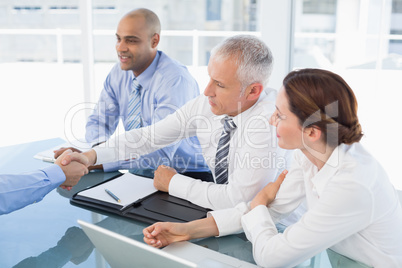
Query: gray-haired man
point(231, 124)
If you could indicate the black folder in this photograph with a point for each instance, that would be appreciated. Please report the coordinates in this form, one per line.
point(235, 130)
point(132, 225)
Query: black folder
point(158, 206)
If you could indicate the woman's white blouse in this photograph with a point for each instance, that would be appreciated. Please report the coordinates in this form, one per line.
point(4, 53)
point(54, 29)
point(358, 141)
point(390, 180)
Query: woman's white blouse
point(352, 209)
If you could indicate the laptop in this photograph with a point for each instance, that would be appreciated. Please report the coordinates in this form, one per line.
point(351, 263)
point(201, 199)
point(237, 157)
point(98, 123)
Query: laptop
point(121, 251)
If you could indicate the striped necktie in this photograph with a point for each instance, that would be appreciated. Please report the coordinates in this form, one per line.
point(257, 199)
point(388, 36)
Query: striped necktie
point(133, 119)
point(221, 159)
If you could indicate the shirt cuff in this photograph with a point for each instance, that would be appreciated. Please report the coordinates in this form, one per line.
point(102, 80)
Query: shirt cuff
point(55, 175)
point(111, 166)
point(104, 155)
point(228, 220)
point(252, 220)
point(178, 185)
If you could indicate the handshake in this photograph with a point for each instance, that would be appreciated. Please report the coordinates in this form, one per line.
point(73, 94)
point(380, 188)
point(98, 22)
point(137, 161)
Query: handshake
point(74, 164)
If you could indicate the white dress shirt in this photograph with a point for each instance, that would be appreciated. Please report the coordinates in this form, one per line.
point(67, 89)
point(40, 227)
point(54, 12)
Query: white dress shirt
point(254, 157)
point(352, 209)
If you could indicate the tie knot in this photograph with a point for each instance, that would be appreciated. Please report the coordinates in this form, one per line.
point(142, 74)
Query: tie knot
point(229, 125)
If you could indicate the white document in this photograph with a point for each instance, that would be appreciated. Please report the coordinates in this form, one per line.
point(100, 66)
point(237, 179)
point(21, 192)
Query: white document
point(128, 188)
point(48, 155)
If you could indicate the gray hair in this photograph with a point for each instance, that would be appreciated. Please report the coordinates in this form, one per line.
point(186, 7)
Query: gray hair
point(252, 56)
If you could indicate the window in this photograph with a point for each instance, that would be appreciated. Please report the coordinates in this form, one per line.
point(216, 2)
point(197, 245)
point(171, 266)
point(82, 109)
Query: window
point(319, 6)
point(397, 6)
point(41, 51)
point(41, 44)
point(361, 41)
point(214, 9)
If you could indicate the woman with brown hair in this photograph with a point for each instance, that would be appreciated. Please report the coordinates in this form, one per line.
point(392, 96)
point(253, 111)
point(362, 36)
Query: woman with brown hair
point(352, 207)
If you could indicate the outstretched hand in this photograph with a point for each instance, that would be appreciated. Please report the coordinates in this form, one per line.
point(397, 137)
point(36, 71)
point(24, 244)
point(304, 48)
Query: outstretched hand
point(73, 171)
point(162, 234)
point(75, 157)
point(267, 195)
point(61, 150)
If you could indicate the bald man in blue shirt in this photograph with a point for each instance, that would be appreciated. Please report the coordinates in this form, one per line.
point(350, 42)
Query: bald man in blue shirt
point(165, 86)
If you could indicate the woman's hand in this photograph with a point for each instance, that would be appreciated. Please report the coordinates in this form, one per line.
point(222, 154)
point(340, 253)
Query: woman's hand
point(162, 234)
point(268, 193)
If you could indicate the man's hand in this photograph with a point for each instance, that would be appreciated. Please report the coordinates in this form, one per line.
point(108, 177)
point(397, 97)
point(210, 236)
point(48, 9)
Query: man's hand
point(162, 234)
point(88, 158)
point(162, 177)
point(267, 195)
point(73, 171)
point(58, 152)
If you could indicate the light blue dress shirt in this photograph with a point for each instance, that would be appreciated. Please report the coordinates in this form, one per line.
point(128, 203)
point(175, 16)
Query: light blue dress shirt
point(166, 86)
point(20, 190)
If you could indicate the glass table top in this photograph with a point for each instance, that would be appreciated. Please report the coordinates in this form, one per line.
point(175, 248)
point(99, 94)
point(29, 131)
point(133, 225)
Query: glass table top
point(46, 234)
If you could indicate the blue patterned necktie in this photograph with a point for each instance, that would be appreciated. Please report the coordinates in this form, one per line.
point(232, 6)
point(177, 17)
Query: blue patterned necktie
point(221, 159)
point(134, 107)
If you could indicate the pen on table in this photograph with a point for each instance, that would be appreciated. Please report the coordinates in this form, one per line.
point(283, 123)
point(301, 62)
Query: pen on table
point(113, 195)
